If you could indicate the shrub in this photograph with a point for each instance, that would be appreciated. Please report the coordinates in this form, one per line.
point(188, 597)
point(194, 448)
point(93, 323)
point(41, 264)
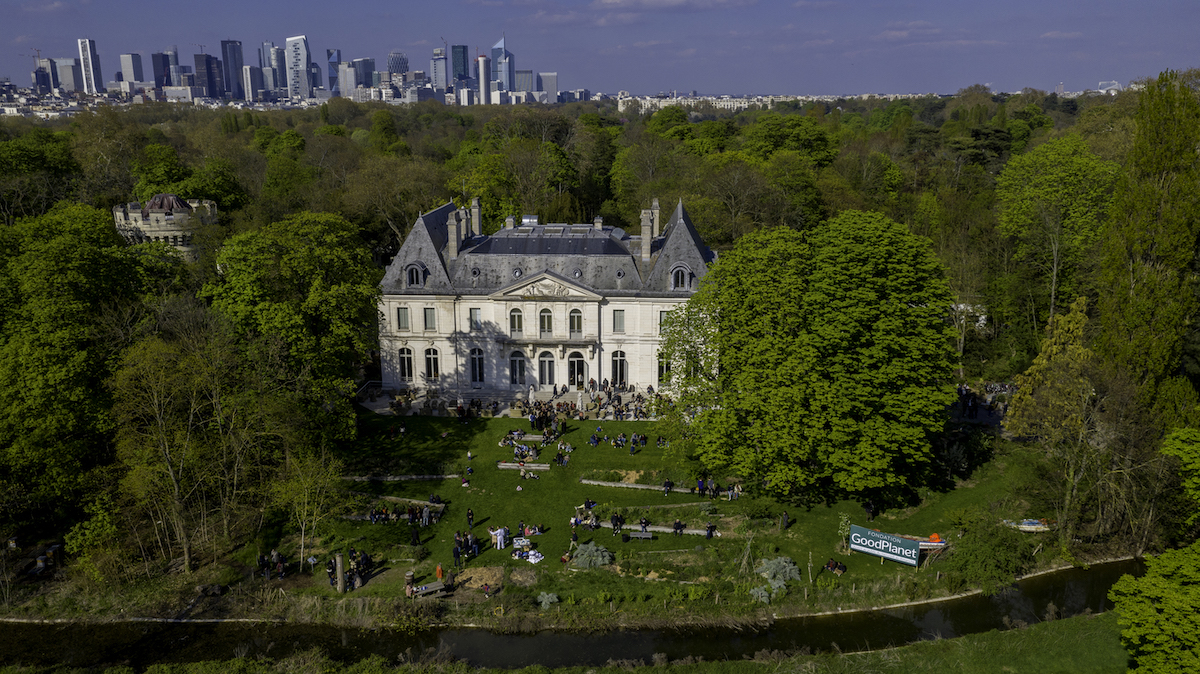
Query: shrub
point(546, 599)
point(761, 594)
point(590, 556)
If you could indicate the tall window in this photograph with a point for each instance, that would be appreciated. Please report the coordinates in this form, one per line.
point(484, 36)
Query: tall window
point(662, 318)
point(406, 364)
point(516, 368)
point(477, 367)
point(664, 370)
point(618, 320)
point(430, 318)
point(546, 323)
point(401, 318)
point(516, 322)
point(619, 367)
point(431, 364)
point(546, 369)
point(575, 323)
point(476, 319)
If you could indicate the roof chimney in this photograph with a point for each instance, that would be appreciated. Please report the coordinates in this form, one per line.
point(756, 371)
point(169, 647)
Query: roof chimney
point(656, 224)
point(647, 236)
point(509, 222)
point(476, 217)
point(452, 235)
point(598, 223)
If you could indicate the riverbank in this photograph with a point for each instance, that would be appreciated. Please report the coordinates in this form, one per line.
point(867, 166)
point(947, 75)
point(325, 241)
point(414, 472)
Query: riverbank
point(1088, 643)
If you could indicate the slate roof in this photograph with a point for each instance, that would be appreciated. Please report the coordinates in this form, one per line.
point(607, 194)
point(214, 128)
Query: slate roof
point(606, 261)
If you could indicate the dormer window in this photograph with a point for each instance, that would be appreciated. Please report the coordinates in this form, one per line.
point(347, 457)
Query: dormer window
point(415, 275)
point(681, 278)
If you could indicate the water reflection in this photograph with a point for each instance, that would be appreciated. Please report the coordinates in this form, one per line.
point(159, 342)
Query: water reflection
point(141, 644)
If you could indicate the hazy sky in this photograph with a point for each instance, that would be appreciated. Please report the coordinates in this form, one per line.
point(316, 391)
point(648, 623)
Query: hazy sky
point(647, 46)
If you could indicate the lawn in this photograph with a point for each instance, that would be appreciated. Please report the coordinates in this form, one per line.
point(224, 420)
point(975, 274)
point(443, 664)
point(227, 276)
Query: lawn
point(713, 572)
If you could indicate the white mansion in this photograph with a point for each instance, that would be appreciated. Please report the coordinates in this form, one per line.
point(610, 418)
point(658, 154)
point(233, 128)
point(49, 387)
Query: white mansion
point(469, 315)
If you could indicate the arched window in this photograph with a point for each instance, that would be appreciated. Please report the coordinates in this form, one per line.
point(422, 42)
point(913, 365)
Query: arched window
point(620, 369)
point(516, 322)
point(416, 276)
point(477, 367)
point(575, 324)
point(406, 364)
point(516, 368)
point(576, 370)
point(546, 369)
point(681, 278)
point(431, 364)
point(546, 323)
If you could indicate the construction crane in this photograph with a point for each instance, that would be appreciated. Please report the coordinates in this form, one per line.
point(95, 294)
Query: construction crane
point(195, 44)
point(37, 56)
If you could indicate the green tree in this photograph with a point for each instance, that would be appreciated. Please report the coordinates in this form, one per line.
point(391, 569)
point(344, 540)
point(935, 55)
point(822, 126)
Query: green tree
point(1184, 445)
point(1053, 201)
point(59, 275)
point(773, 132)
point(308, 282)
point(832, 359)
point(310, 491)
point(877, 357)
point(1158, 613)
point(1150, 244)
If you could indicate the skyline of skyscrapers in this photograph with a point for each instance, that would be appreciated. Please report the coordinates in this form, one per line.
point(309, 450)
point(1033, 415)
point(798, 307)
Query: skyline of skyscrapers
point(290, 73)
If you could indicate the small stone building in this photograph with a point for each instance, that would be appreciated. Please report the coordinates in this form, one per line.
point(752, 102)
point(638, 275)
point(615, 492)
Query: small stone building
point(166, 218)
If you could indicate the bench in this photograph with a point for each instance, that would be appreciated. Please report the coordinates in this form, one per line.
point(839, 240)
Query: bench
point(508, 465)
point(428, 590)
point(644, 535)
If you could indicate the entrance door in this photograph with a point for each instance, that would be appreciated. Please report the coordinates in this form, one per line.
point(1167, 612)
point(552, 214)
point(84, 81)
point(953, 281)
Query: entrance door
point(577, 370)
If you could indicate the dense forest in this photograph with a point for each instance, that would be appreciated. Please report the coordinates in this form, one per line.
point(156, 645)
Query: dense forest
point(154, 405)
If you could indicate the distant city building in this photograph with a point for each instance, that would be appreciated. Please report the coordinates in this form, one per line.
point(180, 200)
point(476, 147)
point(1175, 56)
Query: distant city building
point(264, 55)
point(333, 57)
point(231, 53)
point(89, 59)
point(41, 80)
point(165, 218)
point(131, 67)
point(70, 74)
point(485, 85)
point(438, 72)
point(347, 79)
point(523, 81)
point(160, 66)
point(364, 70)
point(548, 82)
point(503, 66)
point(460, 66)
point(299, 82)
point(397, 63)
point(252, 82)
point(209, 75)
point(51, 70)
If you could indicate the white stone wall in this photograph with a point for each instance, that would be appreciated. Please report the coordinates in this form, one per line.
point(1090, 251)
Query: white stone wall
point(454, 339)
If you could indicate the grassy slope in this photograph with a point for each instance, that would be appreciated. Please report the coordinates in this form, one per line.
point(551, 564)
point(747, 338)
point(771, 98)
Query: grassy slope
point(550, 501)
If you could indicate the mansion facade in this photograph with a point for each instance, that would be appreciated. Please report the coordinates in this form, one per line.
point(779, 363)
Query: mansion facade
point(469, 315)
